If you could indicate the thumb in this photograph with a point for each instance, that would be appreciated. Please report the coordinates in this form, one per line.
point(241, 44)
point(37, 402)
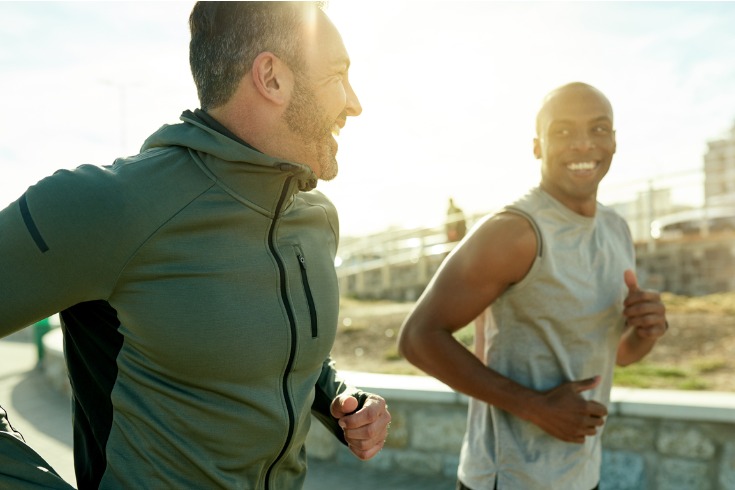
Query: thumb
point(343, 405)
point(586, 384)
point(631, 281)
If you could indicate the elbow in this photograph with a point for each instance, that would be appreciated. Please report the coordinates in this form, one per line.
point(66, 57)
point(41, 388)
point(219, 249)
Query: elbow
point(407, 344)
point(404, 345)
point(623, 362)
point(622, 359)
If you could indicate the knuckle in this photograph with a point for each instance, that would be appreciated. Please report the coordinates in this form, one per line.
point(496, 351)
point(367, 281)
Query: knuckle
point(371, 431)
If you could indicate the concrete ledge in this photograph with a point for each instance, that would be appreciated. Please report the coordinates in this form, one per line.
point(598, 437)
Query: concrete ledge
point(708, 406)
point(404, 387)
point(703, 406)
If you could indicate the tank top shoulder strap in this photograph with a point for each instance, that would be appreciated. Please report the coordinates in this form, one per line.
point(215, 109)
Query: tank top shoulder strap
point(534, 225)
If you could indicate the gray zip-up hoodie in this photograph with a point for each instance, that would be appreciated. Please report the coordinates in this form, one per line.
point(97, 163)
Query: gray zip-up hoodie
point(199, 300)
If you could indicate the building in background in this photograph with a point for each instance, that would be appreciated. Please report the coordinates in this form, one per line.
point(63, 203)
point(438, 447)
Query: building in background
point(719, 171)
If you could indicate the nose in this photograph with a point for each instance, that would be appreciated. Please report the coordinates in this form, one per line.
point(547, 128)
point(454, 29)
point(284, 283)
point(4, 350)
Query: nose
point(582, 141)
point(353, 107)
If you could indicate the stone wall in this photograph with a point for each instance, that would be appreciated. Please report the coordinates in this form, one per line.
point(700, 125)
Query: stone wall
point(691, 266)
point(654, 440)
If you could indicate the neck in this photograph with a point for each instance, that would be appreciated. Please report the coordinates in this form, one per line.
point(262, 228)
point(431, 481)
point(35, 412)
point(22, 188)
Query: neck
point(582, 205)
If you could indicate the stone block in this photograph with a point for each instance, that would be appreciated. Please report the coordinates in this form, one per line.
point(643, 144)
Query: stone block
point(346, 458)
point(419, 463)
point(438, 430)
point(320, 443)
point(727, 467)
point(398, 431)
point(679, 474)
point(687, 441)
point(380, 462)
point(629, 434)
point(451, 463)
point(622, 470)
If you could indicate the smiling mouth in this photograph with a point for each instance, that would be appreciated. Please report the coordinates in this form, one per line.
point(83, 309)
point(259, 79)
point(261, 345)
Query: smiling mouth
point(337, 127)
point(582, 166)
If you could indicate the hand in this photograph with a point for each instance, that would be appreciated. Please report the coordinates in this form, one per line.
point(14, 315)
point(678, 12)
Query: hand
point(365, 430)
point(566, 415)
point(643, 310)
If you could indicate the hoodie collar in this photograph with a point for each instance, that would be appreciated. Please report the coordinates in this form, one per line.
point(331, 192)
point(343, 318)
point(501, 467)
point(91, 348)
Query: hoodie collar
point(207, 120)
point(243, 171)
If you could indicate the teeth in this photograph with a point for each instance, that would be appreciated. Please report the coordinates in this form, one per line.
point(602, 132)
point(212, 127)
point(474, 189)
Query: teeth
point(335, 130)
point(581, 166)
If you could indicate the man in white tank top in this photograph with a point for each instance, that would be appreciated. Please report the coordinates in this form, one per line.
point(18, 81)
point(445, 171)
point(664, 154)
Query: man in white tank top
point(557, 268)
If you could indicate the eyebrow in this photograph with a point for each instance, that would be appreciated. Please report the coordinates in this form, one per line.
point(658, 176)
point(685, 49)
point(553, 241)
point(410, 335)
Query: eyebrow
point(569, 121)
point(342, 61)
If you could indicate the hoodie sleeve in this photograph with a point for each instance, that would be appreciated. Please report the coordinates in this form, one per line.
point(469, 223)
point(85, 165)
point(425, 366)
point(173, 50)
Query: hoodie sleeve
point(58, 246)
point(21, 467)
point(328, 386)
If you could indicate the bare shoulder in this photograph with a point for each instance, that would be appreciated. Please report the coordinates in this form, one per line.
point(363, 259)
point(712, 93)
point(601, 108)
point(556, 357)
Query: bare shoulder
point(507, 231)
point(507, 244)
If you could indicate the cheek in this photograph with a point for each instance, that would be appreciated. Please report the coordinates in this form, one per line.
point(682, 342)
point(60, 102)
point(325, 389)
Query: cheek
point(607, 144)
point(552, 151)
point(337, 97)
point(331, 102)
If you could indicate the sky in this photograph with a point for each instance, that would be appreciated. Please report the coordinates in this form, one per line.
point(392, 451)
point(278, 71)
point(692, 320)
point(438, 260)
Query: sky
point(449, 91)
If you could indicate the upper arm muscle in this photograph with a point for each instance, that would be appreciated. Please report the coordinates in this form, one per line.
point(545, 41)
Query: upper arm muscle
point(498, 253)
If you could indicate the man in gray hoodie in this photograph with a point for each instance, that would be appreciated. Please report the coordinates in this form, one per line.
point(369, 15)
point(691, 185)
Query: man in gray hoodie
point(196, 280)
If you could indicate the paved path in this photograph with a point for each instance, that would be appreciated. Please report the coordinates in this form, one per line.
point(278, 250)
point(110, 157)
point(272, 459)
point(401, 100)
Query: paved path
point(43, 416)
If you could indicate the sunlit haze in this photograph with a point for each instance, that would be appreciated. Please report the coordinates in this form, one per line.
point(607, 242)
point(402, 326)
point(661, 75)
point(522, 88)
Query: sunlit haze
point(449, 91)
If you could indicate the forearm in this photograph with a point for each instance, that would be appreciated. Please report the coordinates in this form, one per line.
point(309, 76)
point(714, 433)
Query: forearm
point(645, 320)
point(440, 355)
point(633, 347)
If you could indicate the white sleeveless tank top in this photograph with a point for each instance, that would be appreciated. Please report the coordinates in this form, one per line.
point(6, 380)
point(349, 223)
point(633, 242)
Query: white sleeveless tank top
point(561, 323)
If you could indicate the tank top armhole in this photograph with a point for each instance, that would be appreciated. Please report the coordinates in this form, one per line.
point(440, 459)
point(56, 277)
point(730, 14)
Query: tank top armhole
point(539, 248)
point(532, 222)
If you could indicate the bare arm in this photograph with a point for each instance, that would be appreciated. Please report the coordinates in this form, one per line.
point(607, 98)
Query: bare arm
point(497, 254)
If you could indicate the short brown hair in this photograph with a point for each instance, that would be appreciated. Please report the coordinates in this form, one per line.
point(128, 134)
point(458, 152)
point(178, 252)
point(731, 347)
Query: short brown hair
point(226, 37)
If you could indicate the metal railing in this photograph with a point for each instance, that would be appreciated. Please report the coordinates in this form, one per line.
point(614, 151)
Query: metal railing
point(642, 203)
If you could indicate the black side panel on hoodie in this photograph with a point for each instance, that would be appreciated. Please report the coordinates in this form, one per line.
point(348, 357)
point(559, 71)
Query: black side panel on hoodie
point(92, 343)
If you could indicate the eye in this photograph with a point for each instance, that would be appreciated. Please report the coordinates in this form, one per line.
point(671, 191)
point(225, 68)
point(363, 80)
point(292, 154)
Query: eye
point(341, 74)
point(560, 132)
point(601, 129)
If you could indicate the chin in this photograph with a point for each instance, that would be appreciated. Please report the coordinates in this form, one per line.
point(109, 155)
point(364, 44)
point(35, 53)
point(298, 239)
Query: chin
point(328, 174)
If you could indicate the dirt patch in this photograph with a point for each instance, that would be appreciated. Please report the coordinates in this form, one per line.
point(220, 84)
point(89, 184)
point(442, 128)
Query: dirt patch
point(698, 352)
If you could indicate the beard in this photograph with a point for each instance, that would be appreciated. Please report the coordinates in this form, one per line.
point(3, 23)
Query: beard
point(309, 122)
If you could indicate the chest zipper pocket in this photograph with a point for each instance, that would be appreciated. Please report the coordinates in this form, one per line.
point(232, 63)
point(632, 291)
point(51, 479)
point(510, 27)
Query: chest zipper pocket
point(307, 290)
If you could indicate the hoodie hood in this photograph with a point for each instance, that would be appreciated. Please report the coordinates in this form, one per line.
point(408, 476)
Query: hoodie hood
point(220, 152)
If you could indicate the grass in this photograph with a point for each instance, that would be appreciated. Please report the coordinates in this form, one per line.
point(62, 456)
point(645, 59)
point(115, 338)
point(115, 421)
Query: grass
point(679, 369)
point(646, 375)
point(719, 303)
point(466, 335)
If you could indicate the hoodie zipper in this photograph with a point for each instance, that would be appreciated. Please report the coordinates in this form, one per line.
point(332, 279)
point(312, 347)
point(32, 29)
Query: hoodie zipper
point(307, 290)
point(292, 326)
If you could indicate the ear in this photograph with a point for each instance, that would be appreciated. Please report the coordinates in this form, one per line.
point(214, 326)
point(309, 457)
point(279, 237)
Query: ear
point(272, 78)
point(615, 142)
point(537, 148)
